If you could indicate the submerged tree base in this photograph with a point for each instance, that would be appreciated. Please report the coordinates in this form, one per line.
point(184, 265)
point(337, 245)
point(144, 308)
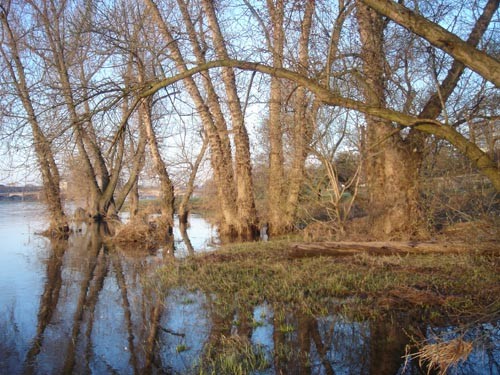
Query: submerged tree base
point(60, 232)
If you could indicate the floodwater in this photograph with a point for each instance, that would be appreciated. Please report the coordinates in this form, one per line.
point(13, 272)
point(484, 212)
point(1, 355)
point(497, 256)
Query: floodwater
point(77, 306)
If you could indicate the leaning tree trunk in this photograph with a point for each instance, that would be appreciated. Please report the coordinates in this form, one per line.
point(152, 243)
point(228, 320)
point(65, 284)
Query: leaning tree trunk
point(137, 163)
point(391, 166)
point(214, 125)
point(247, 214)
point(183, 210)
point(166, 221)
point(482, 63)
point(57, 51)
point(43, 150)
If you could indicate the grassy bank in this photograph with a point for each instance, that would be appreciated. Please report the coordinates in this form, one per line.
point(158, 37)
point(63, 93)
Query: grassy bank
point(301, 283)
point(438, 286)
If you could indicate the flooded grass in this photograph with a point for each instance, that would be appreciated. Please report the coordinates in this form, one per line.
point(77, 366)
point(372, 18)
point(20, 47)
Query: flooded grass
point(266, 308)
point(439, 286)
point(234, 355)
point(459, 289)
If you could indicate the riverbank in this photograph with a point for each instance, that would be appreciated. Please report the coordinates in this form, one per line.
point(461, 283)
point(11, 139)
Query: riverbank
point(448, 284)
point(452, 286)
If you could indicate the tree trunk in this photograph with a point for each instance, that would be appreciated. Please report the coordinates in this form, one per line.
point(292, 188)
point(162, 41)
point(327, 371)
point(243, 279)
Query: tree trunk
point(247, 214)
point(131, 186)
point(58, 52)
point(471, 151)
point(391, 167)
point(276, 181)
point(220, 156)
point(43, 150)
point(183, 210)
point(166, 221)
point(482, 63)
point(134, 200)
point(303, 123)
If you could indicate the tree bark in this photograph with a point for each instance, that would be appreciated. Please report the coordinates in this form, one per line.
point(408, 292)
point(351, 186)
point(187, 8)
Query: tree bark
point(166, 221)
point(303, 122)
point(57, 50)
point(245, 202)
point(183, 210)
point(276, 180)
point(391, 170)
point(131, 186)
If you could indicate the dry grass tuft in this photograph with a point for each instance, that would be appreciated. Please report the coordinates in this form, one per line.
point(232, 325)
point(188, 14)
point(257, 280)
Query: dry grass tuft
point(145, 231)
point(134, 232)
point(443, 355)
point(139, 233)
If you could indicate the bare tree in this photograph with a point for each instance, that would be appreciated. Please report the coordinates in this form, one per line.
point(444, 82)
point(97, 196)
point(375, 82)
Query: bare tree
point(10, 50)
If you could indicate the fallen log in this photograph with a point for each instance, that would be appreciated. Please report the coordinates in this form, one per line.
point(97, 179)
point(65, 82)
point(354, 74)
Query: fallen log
point(301, 250)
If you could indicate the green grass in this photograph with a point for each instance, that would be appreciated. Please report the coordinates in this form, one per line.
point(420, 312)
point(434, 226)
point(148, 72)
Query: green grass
point(181, 348)
point(233, 355)
point(286, 328)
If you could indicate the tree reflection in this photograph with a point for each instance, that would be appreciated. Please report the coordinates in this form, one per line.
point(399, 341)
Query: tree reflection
point(97, 315)
point(120, 278)
point(88, 266)
point(48, 299)
point(96, 269)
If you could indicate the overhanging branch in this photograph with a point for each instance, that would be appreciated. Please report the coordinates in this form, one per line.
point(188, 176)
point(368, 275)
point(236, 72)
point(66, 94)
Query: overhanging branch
point(481, 160)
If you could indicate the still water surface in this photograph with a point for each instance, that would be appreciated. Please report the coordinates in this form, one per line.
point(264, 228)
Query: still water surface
point(78, 307)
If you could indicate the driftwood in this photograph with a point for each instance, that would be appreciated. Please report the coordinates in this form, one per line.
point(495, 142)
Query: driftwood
point(301, 250)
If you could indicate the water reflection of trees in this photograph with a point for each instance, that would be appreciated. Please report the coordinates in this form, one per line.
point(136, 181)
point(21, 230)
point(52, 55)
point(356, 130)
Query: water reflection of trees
point(81, 275)
point(96, 315)
point(49, 297)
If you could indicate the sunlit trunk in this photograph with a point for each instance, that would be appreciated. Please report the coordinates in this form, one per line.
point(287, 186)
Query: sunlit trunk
point(284, 192)
point(276, 182)
point(134, 200)
point(183, 210)
point(302, 123)
point(247, 214)
point(185, 237)
point(166, 220)
point(131, 187)
point(484, 64)
point(60, 63)
point(215, 128)
point(391, 170)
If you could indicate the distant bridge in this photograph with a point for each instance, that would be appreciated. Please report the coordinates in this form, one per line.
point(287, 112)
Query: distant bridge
point(21, 196)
